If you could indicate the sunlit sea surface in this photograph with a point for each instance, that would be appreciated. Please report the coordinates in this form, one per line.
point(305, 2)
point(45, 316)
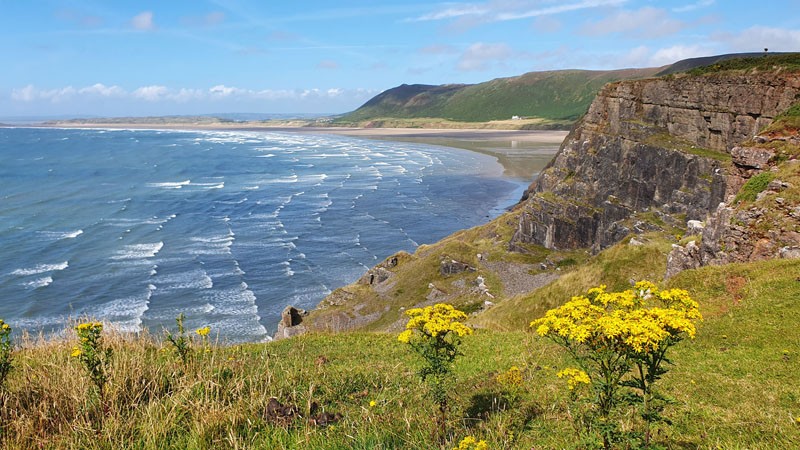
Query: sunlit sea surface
point(136, 227)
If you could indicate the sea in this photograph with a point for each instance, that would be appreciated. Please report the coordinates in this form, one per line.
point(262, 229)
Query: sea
point(134, 227)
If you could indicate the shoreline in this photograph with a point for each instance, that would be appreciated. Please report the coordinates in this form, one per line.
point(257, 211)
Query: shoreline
point(521, 153)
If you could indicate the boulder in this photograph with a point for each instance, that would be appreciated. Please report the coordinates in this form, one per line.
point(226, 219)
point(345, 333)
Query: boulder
point(291, 323)
point(682, 258)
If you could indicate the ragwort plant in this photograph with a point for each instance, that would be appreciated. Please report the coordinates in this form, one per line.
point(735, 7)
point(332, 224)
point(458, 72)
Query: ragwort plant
point(6, 349)
point(435, 332)
point(180, 342)
point(93, 355)
point(620, 340)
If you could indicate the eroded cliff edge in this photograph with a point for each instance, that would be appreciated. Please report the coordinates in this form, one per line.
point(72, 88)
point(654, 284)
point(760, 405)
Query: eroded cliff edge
point(658, 146)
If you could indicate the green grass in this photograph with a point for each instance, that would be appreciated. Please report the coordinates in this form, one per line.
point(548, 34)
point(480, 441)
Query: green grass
point(736, 386)
point(559, 96)
point(754, 186)
point(789, 61)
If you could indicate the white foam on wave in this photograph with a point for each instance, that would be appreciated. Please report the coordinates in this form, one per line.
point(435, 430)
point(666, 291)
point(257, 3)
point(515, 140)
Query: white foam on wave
point(41, 268)
point(209, 185)
point(251, 188)
point(125, 314)
point(192, 279)
point(138, 251)
point(39, 283)
point(212, 245)
point(58, 235)
point(170, 184)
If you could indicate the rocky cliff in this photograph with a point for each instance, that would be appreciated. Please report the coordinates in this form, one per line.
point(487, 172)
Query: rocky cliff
point(652, 152)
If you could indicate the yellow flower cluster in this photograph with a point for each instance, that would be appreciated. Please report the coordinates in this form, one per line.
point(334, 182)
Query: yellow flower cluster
point(433, 321)
point(575, 377)
point(76, 352)
point(639, 319)
point(470, 443)
point(4, 326)
point(89, 326)
point(203, 331)
point(511, 378)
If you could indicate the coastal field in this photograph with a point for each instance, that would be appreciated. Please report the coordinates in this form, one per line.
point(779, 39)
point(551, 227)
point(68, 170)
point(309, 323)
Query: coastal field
point(734, 386)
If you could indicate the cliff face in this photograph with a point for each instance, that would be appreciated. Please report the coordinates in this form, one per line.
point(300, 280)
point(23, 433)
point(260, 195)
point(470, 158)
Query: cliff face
point(651, 152)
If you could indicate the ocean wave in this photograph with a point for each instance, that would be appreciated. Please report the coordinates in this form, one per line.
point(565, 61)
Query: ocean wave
point(193, 279)
point(170, 184)
point(58, 235)
point(41, 268)
point(39, 283)
point(138, 251)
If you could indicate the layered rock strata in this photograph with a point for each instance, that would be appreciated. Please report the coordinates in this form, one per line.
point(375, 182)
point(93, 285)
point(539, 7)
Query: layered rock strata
point(661, 146)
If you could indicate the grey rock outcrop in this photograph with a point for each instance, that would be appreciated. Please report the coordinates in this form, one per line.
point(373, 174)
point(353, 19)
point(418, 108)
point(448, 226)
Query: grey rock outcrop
point(658, 145)
point(291, 323)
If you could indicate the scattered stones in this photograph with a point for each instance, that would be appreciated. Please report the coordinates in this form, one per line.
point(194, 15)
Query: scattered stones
point(452, 267)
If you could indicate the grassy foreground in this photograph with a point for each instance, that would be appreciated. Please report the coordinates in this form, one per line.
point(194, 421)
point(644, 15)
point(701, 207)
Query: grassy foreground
point(736, 386)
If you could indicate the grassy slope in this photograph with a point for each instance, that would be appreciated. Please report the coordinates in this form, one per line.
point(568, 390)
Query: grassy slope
point(735, 386)
point(558, 95)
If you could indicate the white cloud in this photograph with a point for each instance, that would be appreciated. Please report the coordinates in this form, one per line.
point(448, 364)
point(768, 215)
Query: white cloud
point(143, 21)
point(151, 93)
point(26, 94)
point(499, 11)
point(163, 94)
point(676, 53)
point(757, 38)
point(693, 6)
point(31, 94)
point(453, 12)
point(221, 90)
point(646, 22)
point(103, 90)
point(481, 56)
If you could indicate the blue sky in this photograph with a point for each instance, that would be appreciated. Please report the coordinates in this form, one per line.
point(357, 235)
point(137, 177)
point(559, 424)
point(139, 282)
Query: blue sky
point(117, 58)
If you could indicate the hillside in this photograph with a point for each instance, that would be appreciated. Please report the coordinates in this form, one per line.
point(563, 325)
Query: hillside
point(734, 386)
point(648, 166)
point(559, 97)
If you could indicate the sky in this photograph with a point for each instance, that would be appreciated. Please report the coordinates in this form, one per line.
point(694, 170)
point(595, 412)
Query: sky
point(77, 58)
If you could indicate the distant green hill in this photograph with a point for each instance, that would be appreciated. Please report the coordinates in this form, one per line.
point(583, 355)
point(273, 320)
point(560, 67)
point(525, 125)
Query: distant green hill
point(555, 98)
point(561, 95)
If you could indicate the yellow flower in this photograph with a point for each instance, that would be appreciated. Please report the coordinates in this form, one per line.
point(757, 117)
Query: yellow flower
point(575, 377)
point(434, 321)
point(470, 443)
point(203, 331)
point(372, 403)
point(512, 377)
point(76, 352)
